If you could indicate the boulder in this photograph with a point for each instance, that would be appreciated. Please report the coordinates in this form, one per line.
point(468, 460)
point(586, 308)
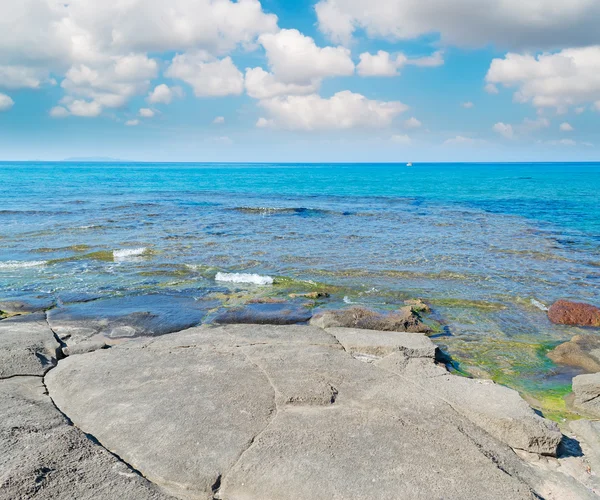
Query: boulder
point(124, 317)
point(565, 312)
point(27, 346)
point(44, 457)
point(404, 320)
point(587, 393)
point(265, 314)
point(582, 351)
point(417, 305)
point(284, 412)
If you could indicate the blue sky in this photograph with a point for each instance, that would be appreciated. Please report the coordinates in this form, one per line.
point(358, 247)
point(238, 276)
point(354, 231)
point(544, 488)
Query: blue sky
point(332, 80)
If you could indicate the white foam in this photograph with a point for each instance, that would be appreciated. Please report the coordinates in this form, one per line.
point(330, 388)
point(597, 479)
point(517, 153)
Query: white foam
point(127, 253)
point(539, 305)
point(255, 279)
point(16, 264)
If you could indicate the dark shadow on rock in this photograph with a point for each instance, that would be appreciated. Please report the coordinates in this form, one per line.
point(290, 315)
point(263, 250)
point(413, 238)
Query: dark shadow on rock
point(569, 447)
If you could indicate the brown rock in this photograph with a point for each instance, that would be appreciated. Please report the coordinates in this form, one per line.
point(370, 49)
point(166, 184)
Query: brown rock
point(418, 305)
point(404, 320)
point(582, 351)
point(565, 312)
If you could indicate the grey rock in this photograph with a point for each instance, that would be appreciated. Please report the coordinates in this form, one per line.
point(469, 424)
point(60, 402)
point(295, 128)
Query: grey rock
point(265, 412)
point(27, 346)
point(26, 305)
point(125, 317)
point(403, 320)
point(84, 347)
point(45, 457)
point(588, 434)
point(379, 343)
point(582, 351)
point(587, 393)
point(265, 314)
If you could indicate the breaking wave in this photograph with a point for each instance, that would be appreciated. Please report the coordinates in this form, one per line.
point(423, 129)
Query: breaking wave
point(255, 279)
point(17, 264)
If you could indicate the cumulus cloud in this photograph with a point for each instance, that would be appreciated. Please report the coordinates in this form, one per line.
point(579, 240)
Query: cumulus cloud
point(412, 122)
point(566, 127)
point(163, 94)
point(263, 85)
point(384, 64)
point(5, 102)
point(86, 109)
point(206, 75)
point(561, 80)
point(59, 112)
point(543, 24)
point(146, 113)
point(504, 129)
point(344, 110)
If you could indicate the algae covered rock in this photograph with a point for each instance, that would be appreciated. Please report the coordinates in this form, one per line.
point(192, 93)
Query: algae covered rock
point(582, 351)
point(565, 312)
point(403, 320)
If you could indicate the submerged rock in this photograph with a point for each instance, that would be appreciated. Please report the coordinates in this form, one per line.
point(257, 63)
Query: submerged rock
point(265, 314)
point(587, 393)
point(404, 320)
point(565, 312)
point(582, 351)
point(142, 315)
point(309, 295)
point(27, 346)
point(25, 305)
point(284, 412)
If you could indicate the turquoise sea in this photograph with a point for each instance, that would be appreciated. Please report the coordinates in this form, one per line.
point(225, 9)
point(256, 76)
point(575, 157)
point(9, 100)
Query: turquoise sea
point(487, 244)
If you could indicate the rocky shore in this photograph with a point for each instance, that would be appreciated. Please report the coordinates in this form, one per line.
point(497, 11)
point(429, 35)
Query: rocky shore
point(125, 400)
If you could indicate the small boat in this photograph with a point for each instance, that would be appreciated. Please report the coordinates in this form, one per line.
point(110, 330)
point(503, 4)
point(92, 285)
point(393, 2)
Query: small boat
point(409, 164)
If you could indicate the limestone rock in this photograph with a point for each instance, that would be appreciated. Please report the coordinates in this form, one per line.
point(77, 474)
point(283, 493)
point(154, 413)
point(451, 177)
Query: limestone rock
point(379, 343)
point(84, 347)
point(283, 412)
point(565, 312)
point(123, 317)
point(404, 320)
point(265, 314)
point(27, 346)
point(44, 457)
point(26, 305)
point(587, 393)
point(582, 351)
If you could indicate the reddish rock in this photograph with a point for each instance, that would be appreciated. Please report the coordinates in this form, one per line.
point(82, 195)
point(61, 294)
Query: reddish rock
point(564, 312)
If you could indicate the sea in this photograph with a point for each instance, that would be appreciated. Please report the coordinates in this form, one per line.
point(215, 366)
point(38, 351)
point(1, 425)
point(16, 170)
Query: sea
point(488, 245)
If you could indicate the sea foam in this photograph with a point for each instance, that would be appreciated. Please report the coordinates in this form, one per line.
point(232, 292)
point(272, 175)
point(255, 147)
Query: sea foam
point(539, 305)
point(255, 279)
point(126, 253)
point(16, 264)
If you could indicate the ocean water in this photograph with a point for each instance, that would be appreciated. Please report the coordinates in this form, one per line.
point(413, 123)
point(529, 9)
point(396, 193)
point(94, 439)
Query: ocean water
point(489, 245)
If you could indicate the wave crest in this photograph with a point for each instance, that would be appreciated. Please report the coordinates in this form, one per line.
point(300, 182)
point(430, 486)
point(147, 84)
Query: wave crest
point(254, 279)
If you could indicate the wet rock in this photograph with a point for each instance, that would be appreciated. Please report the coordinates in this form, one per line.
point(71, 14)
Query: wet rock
point(404, 320)
point(582, 351)
point(45, 457)
point(309, 295)
point(587, 393)
point(122, 317)
point(565, 312)
point(27, 346)
point(418, 306)
point(26, 305)
point(283, 412)
point(265, 314)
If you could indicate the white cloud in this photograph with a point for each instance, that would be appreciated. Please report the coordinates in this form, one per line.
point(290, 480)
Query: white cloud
point(490, 88)
point(506, 23)
point(59, 112)
point(17, 77)
point(263, 122)
point(597, 106)
point(219, 120)
point(568, 78)
point(412, 122)
point(207, 76)
point(467, 105)
point(504, 129)
point(566, 127)
point(87, 109)
point(5, 102)
point(263, 85)
point(343, 110)
point(405, 140)
point(163, 94)
point(146, 113)
point(295, 58)
point(132, 123)
point(384, 64)
point(579, 110)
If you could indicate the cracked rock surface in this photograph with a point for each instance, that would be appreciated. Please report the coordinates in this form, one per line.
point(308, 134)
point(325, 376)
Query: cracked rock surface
point(290, 412)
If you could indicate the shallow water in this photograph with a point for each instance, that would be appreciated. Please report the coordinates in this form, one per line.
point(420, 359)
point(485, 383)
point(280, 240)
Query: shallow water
point(480, 241)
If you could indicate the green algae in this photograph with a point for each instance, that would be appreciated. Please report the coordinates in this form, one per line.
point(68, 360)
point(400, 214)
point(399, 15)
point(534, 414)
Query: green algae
point(482, 305)
point(71, 248)
point(100, 255)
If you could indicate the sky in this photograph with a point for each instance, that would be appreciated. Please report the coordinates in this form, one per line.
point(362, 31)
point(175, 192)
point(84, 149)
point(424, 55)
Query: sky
point(300, 81)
